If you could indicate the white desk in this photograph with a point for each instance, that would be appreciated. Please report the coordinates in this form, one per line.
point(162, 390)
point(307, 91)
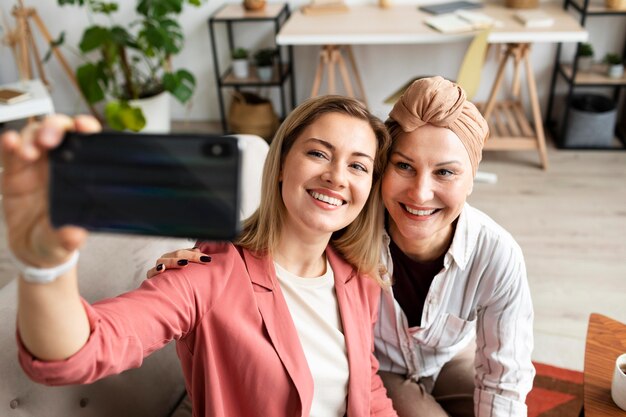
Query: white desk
point(404, 24)
point(39, 102)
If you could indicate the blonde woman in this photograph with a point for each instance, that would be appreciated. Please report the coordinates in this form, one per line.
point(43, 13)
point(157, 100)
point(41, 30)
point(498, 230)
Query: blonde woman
point(278, 323)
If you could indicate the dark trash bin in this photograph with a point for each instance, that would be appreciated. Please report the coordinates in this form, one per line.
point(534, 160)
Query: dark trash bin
point(591, 121)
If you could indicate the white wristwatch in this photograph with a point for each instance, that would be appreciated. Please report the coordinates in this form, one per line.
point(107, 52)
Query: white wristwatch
point(43, 275)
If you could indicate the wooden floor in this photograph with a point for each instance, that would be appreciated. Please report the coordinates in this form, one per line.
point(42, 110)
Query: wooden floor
point(571, 224)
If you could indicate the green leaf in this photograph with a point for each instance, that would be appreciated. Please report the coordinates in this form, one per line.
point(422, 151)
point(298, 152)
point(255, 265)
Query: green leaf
point(162, 34)
point(93, 38)
point(120, 116)
point(104, 7)
point(87, 76)
point(54, 44)
point(180, 84)
point(156, 8)
point(64, 2)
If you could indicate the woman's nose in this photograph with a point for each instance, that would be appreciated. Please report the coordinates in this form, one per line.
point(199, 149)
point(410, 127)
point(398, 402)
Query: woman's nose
point(335, 174)
point(421, 189)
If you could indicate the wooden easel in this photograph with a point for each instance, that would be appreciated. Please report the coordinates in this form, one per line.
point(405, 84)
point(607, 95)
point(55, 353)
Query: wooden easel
point(25, 49)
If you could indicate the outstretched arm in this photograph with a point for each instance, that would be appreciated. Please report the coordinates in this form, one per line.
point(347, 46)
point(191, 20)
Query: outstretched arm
point(51, 318)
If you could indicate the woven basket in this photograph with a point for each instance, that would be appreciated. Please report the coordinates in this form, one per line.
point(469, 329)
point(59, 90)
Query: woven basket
point(524, 4)
point(615, 4)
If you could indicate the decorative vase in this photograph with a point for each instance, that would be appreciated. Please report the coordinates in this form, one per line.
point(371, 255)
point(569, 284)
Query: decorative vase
point(156, 110)
point(240, 68)
point(585, 63)
point(265, 73)
point(615, 71)
point(253, 5)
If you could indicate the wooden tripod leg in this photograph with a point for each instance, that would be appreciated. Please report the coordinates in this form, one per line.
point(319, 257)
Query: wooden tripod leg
point(534, 104)
point(321, 63)
point(357, 75)
point(22, 36)
point(517, 60)
point(66, 67)
point(36, 55)
point(331, 69)
point(343, 70)
point(496, 86)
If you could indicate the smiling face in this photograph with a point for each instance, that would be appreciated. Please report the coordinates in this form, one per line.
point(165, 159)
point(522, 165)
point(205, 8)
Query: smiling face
point(327, 175)
point(425, 185)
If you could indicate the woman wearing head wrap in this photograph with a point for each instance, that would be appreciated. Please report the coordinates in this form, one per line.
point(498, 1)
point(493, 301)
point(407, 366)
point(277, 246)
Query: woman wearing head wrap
point(454, 335)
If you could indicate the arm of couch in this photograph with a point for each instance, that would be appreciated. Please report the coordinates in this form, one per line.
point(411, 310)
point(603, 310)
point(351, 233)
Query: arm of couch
point(109, 265)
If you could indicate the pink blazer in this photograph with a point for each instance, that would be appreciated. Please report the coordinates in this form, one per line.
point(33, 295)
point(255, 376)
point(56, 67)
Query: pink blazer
point(239, 348)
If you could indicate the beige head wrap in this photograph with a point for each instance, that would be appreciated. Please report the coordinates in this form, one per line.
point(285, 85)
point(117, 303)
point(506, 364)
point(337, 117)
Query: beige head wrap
point(442, 103)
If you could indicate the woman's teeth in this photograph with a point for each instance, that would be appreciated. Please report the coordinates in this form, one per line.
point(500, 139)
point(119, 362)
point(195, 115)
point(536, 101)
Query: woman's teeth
point(326, 199)
point(420, 212)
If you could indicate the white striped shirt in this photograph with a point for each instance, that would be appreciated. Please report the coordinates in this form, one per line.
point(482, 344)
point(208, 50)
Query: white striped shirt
point(481, 292)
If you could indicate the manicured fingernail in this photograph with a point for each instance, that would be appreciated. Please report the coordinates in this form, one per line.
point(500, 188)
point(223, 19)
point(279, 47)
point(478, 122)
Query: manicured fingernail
point(205, 258)
point(159, 267)
point(182, 262)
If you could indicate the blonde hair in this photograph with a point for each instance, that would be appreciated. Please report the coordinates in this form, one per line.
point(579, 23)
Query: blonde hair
point(359, 242)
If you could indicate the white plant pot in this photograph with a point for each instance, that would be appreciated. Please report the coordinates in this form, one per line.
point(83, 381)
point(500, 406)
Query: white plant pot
point(585, 63)
point(240, 68)
point(264, 73)
point(615, 71)
point(156, 110)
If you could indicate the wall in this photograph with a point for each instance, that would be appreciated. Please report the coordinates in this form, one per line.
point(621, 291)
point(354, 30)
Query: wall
point(401, 62)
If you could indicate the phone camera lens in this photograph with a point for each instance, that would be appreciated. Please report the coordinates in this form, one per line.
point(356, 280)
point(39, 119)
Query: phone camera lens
point(67, 155)
point(217, 150)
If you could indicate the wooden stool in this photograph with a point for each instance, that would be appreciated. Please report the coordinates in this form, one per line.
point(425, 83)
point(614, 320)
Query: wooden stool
point(331, 55)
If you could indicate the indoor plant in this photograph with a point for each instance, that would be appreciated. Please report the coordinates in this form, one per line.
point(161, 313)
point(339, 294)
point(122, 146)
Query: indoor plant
point(123, 64)
point(615, 65)
point(264, 59)
point(240, 62)
point(585, 57)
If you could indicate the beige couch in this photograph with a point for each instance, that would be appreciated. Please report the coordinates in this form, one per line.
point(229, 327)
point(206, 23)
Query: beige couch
point(109, 265)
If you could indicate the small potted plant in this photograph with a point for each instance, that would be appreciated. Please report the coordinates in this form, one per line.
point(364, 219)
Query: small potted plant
point(240, 62)
point(264, 59)
point(585, 57)
point(615, 65)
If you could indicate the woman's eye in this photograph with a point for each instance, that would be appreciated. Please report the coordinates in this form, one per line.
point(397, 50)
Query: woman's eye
point(359, 166)
point(444, 172)
point(317, 154)
point(403, 166)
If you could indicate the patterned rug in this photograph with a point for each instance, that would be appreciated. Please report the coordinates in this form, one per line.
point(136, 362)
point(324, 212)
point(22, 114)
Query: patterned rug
point(557, 392)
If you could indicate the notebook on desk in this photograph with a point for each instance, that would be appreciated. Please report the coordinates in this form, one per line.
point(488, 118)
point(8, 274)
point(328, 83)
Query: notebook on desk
point(449, 7)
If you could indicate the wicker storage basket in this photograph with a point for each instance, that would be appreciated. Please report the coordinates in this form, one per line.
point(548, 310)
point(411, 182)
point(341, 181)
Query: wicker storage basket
point(615, 4)
point(524, 4)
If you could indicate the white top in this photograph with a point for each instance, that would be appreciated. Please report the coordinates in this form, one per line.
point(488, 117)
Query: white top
point(482, 292)
point(405, 24)
point(313, 306)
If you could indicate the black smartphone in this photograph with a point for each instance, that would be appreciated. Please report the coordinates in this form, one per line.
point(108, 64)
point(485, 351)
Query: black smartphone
point(182, 185)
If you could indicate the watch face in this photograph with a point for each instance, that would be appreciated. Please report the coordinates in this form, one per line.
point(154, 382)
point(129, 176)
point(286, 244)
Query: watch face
point(254, 4)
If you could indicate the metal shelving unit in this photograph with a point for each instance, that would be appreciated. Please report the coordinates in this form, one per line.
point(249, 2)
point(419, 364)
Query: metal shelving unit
point(574, 79)
point(232, 14)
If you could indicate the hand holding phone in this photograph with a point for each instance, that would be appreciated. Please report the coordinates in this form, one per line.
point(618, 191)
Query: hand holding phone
point(183, 185)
